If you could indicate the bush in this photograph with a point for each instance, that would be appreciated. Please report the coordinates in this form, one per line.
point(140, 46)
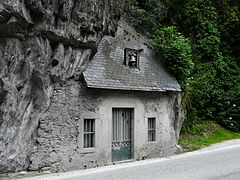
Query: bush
point(144, 15)
point(176, 51)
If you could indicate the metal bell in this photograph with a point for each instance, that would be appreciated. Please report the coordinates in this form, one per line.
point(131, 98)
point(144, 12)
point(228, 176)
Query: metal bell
point(132, 60)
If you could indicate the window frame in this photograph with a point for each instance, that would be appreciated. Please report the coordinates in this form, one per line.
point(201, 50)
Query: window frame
point(128, 51)
point(151, 129)
point(89, 132)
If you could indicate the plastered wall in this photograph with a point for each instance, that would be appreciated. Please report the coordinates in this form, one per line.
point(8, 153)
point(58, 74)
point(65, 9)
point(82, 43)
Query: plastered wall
point(59, 139)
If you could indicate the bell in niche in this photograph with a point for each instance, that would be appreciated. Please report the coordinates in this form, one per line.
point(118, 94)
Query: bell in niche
point(132, 61)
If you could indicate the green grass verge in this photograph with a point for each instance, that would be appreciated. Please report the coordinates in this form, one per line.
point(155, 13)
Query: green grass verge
point(205, 134)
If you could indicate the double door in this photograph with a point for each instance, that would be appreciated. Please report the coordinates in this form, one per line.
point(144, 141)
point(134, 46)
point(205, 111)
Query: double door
point(122, 121)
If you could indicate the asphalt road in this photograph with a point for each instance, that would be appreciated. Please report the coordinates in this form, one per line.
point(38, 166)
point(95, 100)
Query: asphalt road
point(217, 163)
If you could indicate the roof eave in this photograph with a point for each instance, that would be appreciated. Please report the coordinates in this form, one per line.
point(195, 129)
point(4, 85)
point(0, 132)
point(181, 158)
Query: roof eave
point(134, 88)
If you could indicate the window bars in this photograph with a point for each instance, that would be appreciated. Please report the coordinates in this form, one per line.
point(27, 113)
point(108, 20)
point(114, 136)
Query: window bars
point(151, 129)
point(89, 133)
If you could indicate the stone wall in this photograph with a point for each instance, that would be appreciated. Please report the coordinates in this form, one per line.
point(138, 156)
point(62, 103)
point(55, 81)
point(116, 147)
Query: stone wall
point(43, 45)
point(59, 143)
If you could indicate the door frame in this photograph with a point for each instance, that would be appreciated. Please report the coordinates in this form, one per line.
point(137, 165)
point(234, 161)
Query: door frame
point(131, 130)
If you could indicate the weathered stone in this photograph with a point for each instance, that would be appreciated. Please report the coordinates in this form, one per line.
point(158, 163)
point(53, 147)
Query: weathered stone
point(26, 86)
point(60, 133)
point(34, 37)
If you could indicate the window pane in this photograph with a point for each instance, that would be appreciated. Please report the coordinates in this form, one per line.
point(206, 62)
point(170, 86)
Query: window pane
point(151, 129)
point(85, 140)
point(85, 125)
point(89, 127)
point(92, 140)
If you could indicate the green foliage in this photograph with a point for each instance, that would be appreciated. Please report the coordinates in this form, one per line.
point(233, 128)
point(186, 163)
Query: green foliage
point(212, 43)
point(145, 15)
point(176, 51)
point(203, 134)
point(216, 74)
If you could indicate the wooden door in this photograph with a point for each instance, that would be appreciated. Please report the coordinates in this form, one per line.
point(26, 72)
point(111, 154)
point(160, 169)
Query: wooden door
point(122, 134)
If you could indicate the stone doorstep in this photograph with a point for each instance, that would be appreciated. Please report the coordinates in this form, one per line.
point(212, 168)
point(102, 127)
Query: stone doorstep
point(121, 162)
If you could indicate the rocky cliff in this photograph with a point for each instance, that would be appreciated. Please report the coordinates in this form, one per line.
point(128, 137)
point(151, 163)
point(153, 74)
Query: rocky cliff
point(44, 45)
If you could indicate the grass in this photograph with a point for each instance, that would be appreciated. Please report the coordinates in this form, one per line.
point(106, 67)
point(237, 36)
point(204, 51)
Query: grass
point(205, 134)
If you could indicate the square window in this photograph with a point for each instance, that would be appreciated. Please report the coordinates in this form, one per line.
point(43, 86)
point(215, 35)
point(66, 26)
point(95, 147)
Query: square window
point(89, 133)
point(151, 129)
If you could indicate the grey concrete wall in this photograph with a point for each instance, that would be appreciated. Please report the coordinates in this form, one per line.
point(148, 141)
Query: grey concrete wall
point(146, 105)
point(59, 143)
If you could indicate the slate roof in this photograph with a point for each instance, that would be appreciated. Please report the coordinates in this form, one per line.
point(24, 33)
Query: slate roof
point(107, 70)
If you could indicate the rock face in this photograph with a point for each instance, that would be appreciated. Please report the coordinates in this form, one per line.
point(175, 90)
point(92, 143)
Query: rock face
point(44, 45)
